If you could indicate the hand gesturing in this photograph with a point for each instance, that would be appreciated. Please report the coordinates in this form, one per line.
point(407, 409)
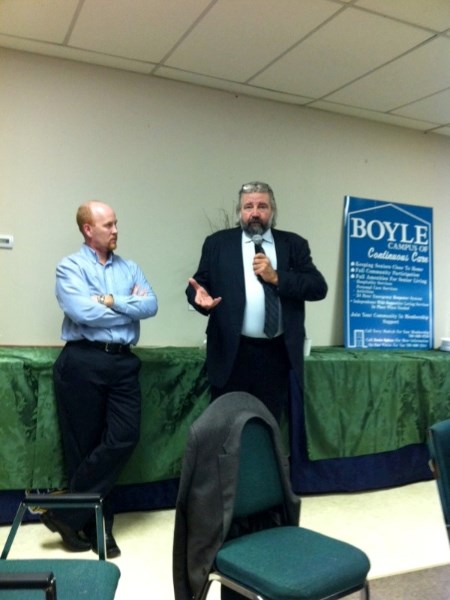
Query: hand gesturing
point(202, 298)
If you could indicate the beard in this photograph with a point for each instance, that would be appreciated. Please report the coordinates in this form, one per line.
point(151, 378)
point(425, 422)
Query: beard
point(254, 227)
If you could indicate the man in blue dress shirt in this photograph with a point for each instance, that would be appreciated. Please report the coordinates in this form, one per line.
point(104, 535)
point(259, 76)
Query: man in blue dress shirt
point(104, 298)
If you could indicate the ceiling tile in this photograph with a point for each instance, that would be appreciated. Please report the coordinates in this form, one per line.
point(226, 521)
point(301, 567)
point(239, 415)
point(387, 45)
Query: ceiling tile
point(434, 14)
point(360, 57)
point(424, 71)
point(234, 40)
point(390, 119)
point(46, 20)
point(436, 106)
point(147, 31)
point(353, 43)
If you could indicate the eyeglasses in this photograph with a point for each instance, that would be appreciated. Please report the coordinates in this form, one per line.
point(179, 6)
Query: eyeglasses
point(255, 186)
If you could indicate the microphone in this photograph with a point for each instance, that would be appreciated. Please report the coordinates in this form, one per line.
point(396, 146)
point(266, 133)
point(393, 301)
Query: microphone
point(258, 240)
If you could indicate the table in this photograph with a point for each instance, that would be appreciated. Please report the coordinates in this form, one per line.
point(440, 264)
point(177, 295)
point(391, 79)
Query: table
point(362, 423)
point(174, 390)
point(361, 402)
point(364, 420)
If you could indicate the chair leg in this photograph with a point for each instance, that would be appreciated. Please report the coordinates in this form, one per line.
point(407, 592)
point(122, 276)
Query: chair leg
point(365, 592)
point(100, 531)
point(14, 527)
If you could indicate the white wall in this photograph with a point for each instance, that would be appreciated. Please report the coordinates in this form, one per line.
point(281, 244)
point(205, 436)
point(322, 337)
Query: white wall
point(168, 156)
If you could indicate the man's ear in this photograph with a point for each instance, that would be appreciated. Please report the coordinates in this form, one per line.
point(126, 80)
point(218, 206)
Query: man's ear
point(87, 230)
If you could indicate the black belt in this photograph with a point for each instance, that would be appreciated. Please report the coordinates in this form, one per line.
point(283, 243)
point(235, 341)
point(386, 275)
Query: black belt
point(105, 346)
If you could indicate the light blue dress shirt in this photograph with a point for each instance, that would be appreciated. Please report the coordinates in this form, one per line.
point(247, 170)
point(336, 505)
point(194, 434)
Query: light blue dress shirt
point(253, 322)
point(81, 276)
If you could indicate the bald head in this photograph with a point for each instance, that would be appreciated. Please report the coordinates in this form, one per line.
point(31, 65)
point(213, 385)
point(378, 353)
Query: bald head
point(87, 211)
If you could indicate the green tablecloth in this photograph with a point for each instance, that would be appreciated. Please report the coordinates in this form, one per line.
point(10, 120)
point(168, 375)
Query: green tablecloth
point(356, 403)
point(361, 402)
point(174, 391)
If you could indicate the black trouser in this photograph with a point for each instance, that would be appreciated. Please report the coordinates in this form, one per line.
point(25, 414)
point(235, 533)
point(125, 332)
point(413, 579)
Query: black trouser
point(99, 409)
point(261, 369)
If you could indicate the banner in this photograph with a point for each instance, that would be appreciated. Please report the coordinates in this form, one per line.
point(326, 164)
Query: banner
point(388, 275)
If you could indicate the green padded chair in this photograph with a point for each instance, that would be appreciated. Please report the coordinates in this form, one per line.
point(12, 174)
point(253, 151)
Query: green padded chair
point(284, 562)
point(439, 445)
point(58, 579)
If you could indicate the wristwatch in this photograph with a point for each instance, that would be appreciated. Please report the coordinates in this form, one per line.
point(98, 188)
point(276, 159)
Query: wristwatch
point(102, 300)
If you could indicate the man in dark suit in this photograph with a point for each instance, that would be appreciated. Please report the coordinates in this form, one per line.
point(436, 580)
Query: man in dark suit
point(235, 267)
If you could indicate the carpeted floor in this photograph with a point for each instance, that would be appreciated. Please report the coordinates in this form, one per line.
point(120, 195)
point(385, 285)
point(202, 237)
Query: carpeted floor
point(426, 584)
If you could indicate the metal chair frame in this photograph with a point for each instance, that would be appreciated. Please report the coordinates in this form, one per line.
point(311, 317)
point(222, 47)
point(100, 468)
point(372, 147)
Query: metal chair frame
point(78, 500)
point(247, 592)
point(44, 581)
point(251, 595)
point(31, 578)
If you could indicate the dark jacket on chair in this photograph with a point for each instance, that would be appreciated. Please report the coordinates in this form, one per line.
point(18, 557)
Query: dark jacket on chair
point(205, 502)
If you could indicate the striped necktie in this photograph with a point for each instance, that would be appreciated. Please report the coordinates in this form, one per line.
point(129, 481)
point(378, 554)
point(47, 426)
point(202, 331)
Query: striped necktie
point(272, 309)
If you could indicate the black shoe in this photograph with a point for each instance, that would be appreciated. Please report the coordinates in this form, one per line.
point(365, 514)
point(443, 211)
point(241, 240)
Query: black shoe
point(111, 547)
point(71, 538)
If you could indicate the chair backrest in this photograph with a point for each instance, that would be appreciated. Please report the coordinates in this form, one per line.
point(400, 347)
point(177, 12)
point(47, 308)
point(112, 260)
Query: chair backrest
point(439, 444)
point(259, 485)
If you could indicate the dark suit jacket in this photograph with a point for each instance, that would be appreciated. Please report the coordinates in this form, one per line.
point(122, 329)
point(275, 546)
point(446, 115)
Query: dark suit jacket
point(205, 501)
point(221, 273)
